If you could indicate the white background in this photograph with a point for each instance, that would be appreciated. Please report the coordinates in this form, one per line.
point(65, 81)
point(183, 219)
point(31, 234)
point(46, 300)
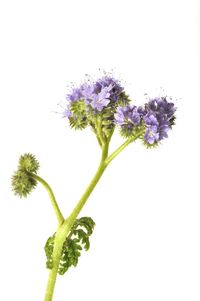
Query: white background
point(146, 244)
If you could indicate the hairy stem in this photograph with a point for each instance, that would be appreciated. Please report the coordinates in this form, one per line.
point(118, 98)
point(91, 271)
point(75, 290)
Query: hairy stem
point(64, 229)
point(56, 208)
point(99, 131)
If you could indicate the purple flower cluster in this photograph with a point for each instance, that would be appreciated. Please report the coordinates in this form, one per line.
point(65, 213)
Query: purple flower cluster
point(96, 95)
point(104, 103)
point(157, 116)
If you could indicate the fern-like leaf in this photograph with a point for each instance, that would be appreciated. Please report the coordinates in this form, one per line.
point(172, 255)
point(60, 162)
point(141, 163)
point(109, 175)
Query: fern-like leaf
point(49, 251)
point(77, 239)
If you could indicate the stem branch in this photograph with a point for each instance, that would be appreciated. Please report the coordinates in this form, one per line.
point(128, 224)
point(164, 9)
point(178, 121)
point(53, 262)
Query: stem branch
point(99, 131)
point(64, 229)
point(56, 208)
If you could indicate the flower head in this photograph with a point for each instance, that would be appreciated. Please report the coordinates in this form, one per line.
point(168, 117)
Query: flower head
point(114, 85)
point(127, 114)
point(75, 95)
point(90, 99)
point(158, 116)
point(96, 94)
point(101, 100)
point(127, 118)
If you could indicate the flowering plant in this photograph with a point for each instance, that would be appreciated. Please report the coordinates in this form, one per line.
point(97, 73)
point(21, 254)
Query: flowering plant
point(103, 106)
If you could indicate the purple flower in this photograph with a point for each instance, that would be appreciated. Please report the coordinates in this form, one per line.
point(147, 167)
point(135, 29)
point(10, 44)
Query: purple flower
point(163, 129)
point(67, 113)
point(96, 95)
point(151, 136)
point(127, 117)
point(101, 100)
point(75, 95)
point(120, 115)
point(135, 117)
point(142, 111)
point(115, 88)
point(161, 107)
point(150, 119)
point(87, 92)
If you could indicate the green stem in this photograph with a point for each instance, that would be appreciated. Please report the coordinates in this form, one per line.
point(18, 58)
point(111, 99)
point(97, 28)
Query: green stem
point(56, 208)
point(57, 251)
point(63, 230)
point(111, 133)
point(91, 186)
point(99, 131)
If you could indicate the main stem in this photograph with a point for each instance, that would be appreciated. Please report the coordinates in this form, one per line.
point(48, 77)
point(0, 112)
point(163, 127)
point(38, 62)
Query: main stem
point(64, 228)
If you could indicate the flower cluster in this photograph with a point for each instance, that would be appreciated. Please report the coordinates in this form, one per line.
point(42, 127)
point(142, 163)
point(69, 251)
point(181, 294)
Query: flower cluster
point(97, 95)
point(91, 100)
point(156, 117)
point(128, 118)
point(105, 104)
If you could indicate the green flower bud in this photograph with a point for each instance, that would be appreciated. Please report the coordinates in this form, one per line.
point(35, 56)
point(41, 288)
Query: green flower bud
point(28, 163)
point(22, 183)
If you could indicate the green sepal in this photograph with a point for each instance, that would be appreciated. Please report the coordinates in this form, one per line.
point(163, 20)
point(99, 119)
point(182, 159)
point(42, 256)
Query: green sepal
point(78, 120)
point(124, 100)
point(172, 121)
point(126, 133)
point(150, 146)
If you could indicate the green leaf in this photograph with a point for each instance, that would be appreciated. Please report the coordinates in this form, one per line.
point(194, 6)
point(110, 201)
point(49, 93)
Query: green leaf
point(49, 251)
point(77, 239)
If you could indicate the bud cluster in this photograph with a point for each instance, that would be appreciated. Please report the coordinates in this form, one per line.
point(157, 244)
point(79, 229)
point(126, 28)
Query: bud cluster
point(22, 182)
